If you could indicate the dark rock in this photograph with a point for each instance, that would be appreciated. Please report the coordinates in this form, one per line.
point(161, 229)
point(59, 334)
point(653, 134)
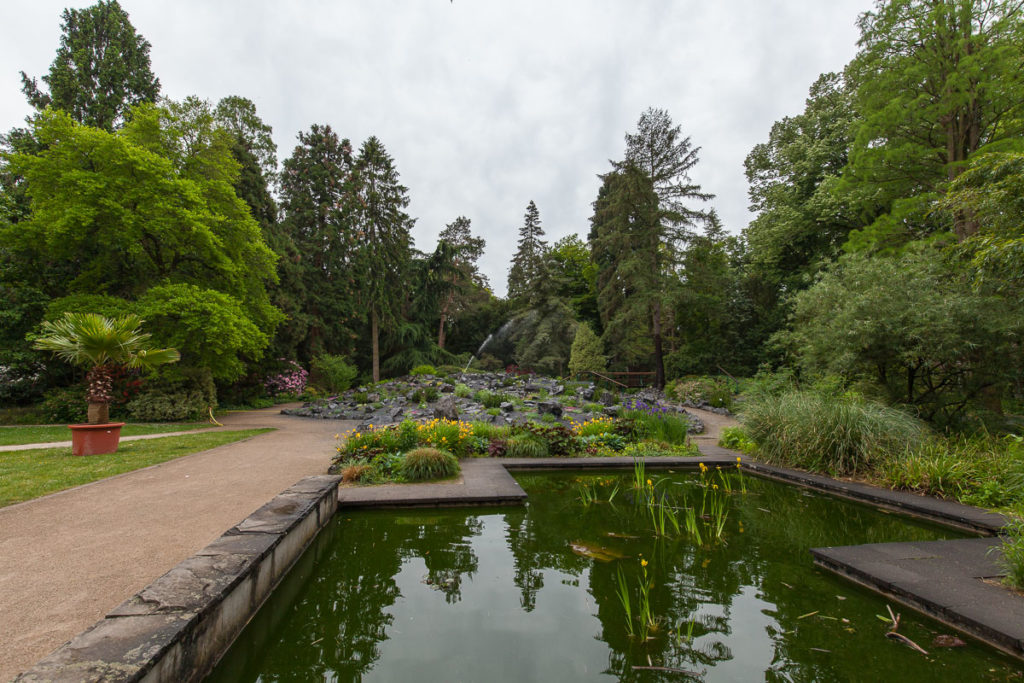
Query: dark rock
point(372, 398)
point(552, 407)
point(507, 406)
point(557, 389)
point(586, 393)
point(445, 409)
point(447, 388)
point(611, 411)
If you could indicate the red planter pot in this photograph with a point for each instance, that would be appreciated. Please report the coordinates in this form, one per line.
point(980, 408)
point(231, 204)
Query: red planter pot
point(95, 439)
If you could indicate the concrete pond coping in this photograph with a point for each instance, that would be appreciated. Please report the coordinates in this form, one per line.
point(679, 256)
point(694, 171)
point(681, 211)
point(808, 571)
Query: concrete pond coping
point(177, 628)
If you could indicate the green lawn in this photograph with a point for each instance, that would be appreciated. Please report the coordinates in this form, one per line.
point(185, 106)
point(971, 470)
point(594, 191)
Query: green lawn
point(13, 436)
point(29, 474)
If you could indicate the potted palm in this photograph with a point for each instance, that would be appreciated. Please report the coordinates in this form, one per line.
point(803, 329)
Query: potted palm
point(100, 344)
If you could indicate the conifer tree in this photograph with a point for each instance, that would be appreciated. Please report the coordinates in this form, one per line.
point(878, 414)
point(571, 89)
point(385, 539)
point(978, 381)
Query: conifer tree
point(455, 270)
point(101, 71)
point(587, 353)
point(384, 242)
point(316, 197)
point(528, 264)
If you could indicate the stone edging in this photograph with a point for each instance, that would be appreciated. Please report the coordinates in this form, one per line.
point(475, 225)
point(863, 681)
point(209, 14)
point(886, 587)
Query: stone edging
point(176, 628)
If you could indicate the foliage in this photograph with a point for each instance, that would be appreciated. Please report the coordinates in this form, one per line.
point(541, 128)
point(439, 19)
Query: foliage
point(332, 373)
point(427, 464)
point(656, 422)
point(379, 265)
point(526, 445)
point(102, 68)
point(290, 380)
point(1011, 559)
point(736, 438)
point(716, 391)
point(560, 440)
point(463, 391)
point(453, 275)
point(835, 434)
point(974, 470)
point(101, 344)
point(66, 405)
point(937, 346)
point(935, 83)
point(355, 472)
point(423, 370)
point(586, 354)
point(529, 265)
point(153, 406)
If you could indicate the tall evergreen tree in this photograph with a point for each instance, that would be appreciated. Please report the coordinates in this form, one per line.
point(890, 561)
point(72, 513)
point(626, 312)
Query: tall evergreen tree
point(633, 268)
point(658, 150)
point(455, 270)
point(317, 190)
point(384, 252)
point(102, 68)
point(528, 263)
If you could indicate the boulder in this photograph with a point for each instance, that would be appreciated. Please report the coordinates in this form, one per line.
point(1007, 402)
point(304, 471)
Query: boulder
point(611, 411)
point(552, 407)
point(445, 409)
point(507, 406)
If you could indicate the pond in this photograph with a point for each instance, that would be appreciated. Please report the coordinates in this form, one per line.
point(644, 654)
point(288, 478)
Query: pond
point(541, 592)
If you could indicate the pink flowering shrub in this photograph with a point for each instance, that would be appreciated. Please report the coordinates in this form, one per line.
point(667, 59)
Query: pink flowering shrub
point(291, 380)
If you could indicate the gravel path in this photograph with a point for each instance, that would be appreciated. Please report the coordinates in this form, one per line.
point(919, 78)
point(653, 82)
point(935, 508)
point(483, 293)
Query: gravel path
point(69, 558)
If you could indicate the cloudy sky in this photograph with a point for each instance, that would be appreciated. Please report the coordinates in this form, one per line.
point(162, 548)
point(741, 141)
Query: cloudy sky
point(486, 105)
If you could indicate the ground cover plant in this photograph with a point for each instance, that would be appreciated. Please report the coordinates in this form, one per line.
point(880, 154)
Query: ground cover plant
point(378, 453)
point(12, 436)
point(28, 474)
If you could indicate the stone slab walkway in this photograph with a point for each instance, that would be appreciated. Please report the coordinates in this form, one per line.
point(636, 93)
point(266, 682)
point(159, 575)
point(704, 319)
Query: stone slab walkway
point(940, 578)
point(66, 559)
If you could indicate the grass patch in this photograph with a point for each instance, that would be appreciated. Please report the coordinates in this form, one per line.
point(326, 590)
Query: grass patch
point(25, 475)
point(16, 436)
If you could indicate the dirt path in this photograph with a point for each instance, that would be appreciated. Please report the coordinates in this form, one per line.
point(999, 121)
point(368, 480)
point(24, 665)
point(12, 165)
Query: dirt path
point(713, 423)
point(69, 558)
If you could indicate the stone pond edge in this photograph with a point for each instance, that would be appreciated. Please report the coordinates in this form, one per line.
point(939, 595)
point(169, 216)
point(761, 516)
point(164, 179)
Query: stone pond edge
point(177, 628)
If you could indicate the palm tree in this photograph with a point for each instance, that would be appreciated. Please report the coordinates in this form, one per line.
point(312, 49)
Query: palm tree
point(100, 344)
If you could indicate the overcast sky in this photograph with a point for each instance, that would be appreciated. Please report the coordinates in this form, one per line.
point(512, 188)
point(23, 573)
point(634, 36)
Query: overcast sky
point(485, 105)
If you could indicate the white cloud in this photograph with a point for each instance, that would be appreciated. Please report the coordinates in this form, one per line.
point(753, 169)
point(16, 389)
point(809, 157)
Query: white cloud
point(487, 105)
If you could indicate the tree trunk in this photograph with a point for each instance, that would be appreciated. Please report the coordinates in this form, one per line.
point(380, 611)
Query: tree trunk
point(659, 356)
point(375, 343)
point(99, 413)
point(445, 307)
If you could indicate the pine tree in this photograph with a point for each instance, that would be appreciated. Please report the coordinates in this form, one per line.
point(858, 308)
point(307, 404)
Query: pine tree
point(528, 264)
point(455, 270)
point(102, 68)
point(384, 253)
point(317, 192)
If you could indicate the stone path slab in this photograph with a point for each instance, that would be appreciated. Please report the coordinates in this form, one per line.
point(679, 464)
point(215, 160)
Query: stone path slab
point(940, 578)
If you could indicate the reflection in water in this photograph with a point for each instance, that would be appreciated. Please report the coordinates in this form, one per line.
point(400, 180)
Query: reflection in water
point(500, 595)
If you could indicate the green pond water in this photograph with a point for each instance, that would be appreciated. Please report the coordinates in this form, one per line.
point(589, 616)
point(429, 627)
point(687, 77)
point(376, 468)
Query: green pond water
point(532, 594)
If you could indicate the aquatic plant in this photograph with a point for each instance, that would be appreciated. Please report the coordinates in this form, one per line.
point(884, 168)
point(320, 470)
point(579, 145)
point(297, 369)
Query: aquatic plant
point(426, 464)
point(1011, 560)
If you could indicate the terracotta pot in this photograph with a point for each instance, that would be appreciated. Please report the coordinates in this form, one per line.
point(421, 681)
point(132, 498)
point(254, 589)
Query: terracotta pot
point(95, 439)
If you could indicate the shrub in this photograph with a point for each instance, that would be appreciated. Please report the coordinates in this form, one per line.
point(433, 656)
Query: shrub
point(560, 440)
point(359, 471)
point(497, 448)
point(427, 394)
point(463, 391)
point(834, 434)
point(64, 405)
point(716, 391)
point(526, 445)
point(587, 352)
point(157, 406)
point(291, 380)
point(737, 439)
point(1012, 558)
point(423, 370)
point(333, 373)
point(486, 430)
point(426, 464)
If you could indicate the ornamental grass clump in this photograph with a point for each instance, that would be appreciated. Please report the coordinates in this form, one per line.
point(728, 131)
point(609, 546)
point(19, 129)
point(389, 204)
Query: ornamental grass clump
point(526, 445)
point(834, 434)
point(1011, 560)
point(427, 464)
point(657, 422)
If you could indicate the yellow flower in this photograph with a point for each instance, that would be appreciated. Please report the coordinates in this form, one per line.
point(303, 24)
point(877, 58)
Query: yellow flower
point(336, 436)
point(737, 458)
point(649, 483)
point(643, 563)
point(714, 486)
